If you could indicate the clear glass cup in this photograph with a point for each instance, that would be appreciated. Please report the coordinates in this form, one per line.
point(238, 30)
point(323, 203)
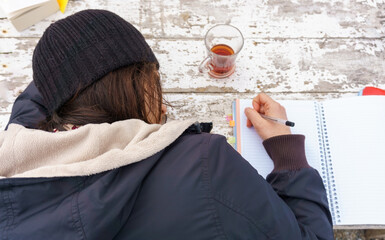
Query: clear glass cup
point(223, 43)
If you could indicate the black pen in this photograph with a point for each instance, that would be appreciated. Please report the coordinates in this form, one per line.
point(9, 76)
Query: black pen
point(278, 120)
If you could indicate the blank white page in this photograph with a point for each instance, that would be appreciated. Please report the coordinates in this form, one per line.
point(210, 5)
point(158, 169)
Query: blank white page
point(356, 130)
point(302, 113)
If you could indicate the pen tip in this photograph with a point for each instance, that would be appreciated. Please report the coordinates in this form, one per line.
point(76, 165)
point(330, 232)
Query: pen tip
point(290, 124)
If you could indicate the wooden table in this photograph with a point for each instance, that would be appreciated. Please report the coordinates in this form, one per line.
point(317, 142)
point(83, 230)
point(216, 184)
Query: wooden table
point(313, 49)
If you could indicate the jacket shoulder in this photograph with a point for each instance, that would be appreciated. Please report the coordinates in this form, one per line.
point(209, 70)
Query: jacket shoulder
point(207, 138)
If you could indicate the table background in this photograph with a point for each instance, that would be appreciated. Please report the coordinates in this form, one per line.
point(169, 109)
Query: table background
point(294, 49)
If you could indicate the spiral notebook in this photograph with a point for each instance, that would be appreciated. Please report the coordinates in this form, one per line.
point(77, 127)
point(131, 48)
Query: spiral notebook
point(345, 142)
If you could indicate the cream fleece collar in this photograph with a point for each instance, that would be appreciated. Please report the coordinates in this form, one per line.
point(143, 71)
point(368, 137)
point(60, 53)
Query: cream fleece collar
point(91, 149)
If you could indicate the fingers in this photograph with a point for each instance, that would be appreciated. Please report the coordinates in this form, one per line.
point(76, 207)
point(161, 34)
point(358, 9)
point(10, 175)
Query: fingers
point(263, 104)
point(253, 118)
point(266, 105)
point(262, 99)
point(248, 123)
point(256, 104)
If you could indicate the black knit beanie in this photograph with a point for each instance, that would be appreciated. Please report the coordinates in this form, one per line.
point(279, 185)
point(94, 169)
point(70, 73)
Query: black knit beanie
point(80, 49)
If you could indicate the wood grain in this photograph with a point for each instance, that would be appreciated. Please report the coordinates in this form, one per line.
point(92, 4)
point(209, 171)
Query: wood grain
point(207, 107)
point(256, 18)
point(295, 65)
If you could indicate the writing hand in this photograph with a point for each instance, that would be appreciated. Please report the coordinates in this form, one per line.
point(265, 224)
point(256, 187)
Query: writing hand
point(263, 104)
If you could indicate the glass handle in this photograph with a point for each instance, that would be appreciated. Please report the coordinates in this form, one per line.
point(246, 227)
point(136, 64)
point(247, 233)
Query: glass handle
point(205, 67)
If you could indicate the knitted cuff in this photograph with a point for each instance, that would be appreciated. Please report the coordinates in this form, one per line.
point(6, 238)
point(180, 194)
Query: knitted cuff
point(287, 152)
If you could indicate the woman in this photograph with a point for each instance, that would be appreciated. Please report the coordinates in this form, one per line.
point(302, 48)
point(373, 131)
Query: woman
point(104, 168)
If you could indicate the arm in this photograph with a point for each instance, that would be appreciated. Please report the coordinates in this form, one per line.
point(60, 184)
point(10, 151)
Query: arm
point(299, 185)
point(28, 109)
point(292, 206)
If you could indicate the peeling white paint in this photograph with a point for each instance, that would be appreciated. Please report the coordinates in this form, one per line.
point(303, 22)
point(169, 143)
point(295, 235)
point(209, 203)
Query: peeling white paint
point(372, 3)
point(5, 94)
point(183, 18)
point(268, 65)
point(4, 118)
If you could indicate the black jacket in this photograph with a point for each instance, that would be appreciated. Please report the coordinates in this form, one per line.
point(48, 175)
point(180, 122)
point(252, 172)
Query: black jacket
point(198, 187)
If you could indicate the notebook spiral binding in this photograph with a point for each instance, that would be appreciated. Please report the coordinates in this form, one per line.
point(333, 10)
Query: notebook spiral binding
point(326, 163)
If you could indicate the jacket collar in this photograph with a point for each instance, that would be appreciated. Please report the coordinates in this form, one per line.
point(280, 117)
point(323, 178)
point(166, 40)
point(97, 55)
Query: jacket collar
point(91, 149)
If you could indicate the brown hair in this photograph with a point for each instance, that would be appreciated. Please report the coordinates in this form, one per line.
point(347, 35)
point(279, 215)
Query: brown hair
point(129, 92)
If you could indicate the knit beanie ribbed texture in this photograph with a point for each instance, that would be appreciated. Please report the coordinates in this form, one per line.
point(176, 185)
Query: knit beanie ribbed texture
point(78, 50)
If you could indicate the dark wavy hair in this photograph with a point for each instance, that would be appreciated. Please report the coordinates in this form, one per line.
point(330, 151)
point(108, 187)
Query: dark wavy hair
point(128, 92)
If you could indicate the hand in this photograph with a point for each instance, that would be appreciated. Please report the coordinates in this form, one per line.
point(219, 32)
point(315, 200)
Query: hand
point(263, 104)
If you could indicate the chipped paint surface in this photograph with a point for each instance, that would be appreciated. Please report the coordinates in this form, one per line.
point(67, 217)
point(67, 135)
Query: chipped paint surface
point(213, 106)
point(293, 65)
point(255, 18)
point(293, 49)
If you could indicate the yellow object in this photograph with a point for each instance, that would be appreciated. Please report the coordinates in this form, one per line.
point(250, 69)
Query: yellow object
point(229, 117)
point(232, 123)
point(62, 5)
point(231, 140)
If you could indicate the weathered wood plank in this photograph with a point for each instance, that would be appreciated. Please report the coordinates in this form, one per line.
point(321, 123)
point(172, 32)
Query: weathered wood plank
point(256, 19)
point(209, 107)
point(278, 66)
point(375, 234)
point(214, 107)
point(295, 65)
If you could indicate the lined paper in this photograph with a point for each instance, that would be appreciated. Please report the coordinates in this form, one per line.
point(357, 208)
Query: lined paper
point(356, 134)
point(302, 113)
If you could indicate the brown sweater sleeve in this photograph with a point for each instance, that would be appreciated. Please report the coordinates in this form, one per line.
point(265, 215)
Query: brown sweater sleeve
point(287, 152)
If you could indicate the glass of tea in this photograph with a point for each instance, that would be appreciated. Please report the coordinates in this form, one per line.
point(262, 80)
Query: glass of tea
point(223, 43)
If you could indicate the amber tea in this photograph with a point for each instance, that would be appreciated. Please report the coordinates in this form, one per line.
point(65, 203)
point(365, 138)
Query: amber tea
point(223, 43)
point(222, 49)
point(222, 65)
